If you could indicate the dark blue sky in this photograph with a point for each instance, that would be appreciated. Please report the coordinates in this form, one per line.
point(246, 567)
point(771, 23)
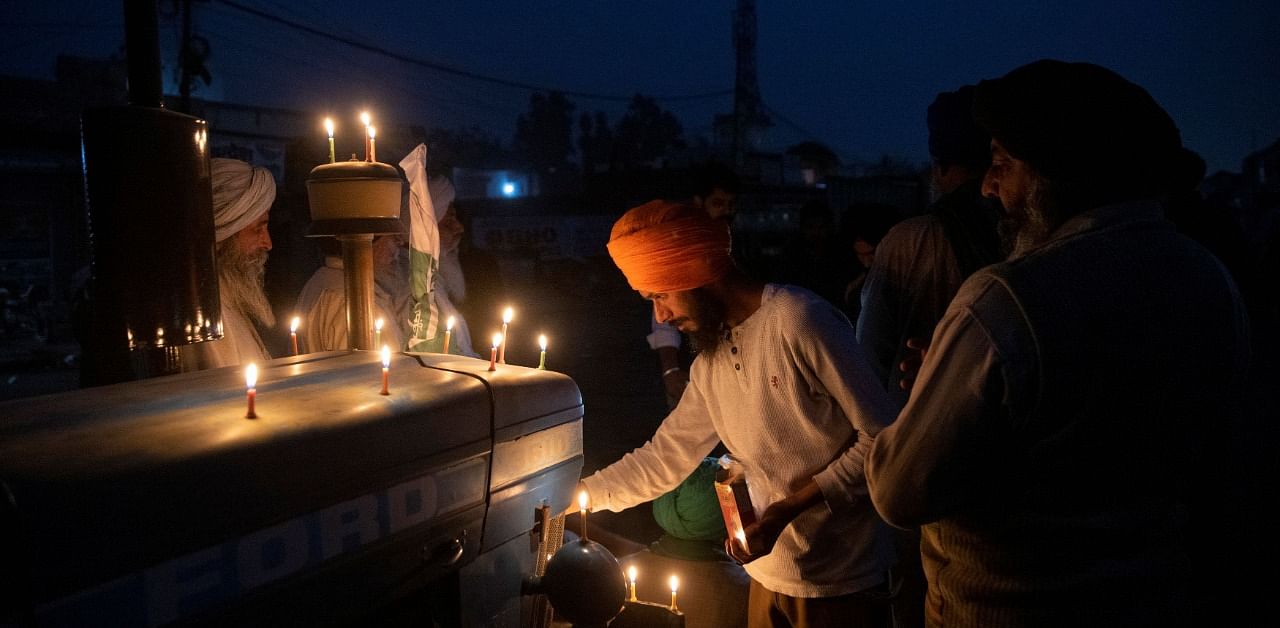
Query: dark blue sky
point(856, 75)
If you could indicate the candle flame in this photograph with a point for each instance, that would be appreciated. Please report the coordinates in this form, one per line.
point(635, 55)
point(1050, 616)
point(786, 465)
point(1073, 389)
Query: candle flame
point(582, 500)
point(542, 341)
point(364, 118)
point(377, 325)
point(675, 583)
point(328, 126)
point(497, 339)
point(373, 132)
point(631, 574)
point(293, 324)
point(448, 325)
point(251, 375)
point(386, 356)
point(507, 315)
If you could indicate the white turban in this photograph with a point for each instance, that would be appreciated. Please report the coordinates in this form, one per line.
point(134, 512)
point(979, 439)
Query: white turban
point(241, 194)
point(442, 194)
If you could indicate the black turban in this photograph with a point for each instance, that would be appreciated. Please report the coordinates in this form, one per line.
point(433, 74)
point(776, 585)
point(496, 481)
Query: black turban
point(1082, 123)
point(954, 137)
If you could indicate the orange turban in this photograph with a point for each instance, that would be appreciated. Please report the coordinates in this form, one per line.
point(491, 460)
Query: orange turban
point(663, 246)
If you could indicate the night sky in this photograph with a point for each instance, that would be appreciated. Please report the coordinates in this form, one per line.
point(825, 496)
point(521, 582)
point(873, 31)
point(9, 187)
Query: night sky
point(854, 75)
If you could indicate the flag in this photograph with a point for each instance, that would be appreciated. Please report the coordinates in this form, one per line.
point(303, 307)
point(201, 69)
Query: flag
point(424, 256)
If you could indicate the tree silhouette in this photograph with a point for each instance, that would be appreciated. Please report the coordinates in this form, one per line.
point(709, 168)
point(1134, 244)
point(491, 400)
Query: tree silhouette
point(595, 142)
point(544, 135)
point(645, 134)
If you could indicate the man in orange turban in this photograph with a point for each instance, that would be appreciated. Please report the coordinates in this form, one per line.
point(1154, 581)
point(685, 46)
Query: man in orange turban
point(781, 381)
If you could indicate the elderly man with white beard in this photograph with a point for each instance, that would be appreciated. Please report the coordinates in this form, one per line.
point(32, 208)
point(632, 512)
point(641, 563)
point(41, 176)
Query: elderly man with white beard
point(242, 198)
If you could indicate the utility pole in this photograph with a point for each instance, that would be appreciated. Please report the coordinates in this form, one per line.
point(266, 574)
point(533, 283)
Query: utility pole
point(748, 111)
point(184, 83)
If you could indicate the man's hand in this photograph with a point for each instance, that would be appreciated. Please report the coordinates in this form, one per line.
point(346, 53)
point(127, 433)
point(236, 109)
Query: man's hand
point(763, 534)
point(917, 348)
point(674, 381)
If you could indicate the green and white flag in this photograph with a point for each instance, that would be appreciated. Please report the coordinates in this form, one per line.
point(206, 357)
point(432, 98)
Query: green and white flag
point(425, 328)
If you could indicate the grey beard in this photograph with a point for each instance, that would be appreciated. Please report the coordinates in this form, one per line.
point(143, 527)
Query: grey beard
point(240, 280)
point(1030, 223)
point(451, 277)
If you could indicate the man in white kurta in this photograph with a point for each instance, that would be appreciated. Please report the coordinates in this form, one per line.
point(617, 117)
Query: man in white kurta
point(242, 198)
point(323, 309)
point(782, 382)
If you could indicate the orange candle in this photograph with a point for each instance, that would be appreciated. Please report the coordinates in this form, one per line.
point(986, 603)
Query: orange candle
point(448, 332)
point(386, 367)
point(493, 354)
point(631, 575)
point(250, 382)
point(675, 584)
point(582, 508)
point(293, 333)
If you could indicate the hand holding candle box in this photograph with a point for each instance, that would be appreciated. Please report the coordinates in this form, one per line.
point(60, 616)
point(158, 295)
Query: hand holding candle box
point(251, 382)
point(386, 367)
point(293, 333)
point(734, 495)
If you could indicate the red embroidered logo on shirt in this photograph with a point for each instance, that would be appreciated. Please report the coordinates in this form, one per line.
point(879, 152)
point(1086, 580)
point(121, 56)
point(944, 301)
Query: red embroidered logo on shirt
point(773, 380)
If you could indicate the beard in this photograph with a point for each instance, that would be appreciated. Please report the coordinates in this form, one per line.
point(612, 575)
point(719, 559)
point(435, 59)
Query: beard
point(708, 313)
point(451, 277)
point(1029, 220)
point(240, 280)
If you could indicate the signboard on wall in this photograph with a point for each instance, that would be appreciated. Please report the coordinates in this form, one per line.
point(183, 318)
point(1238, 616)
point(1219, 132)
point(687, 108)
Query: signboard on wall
point(542, 237)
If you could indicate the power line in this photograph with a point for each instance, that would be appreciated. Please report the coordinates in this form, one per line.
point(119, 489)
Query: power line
point(438, 67)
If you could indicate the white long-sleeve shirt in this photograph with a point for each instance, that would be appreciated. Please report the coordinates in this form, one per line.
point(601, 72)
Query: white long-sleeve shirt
point(323, 307)
point(791, 394)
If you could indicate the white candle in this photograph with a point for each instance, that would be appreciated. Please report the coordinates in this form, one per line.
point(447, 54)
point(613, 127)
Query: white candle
point(631, 575)
point(582, 508)
point(386, 367)
point(251, 382)
point(373, 147)
point(448, 332)
point(675, 584)
point(507, 315)
point(542, 356)
point(293, 333)
point(328, 126)
point(377, 332)
point(364, 119)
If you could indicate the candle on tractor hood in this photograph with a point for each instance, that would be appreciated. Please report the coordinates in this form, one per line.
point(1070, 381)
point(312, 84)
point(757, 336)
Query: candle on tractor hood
point(507, 315)
point(373, 146)
point(448, 332)
point(675, 584)
point(293, 333)
point(251, 382)
point(493, 354)
point(631, 575)
point(386, 367)
point(542, 356)
point(365, 120)
point(377, 332)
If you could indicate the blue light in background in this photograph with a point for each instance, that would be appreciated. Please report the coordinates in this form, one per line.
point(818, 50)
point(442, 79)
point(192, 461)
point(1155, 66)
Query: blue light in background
point(508, 189)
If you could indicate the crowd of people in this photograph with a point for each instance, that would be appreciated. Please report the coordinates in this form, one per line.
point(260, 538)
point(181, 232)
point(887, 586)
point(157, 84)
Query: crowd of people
point(1017, 409)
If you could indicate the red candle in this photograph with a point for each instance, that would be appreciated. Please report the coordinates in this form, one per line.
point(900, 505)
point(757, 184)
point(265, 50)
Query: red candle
point(386, 367)
point(493, 353)
point(293, 333)
point(251, 380)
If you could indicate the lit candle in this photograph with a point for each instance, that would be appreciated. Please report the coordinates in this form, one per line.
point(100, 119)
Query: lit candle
point(507, 315)
point(328, 126)
point(377, 332)
point(542, 357)
point(373, 147)
point(293, 333)
point(364, 119)
point(631, 575)
point(675, 584)
point(742, 540)
point(493, 355)
point(582, 508)
point(448, 332)
point(386, 367)
point(250, 382)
